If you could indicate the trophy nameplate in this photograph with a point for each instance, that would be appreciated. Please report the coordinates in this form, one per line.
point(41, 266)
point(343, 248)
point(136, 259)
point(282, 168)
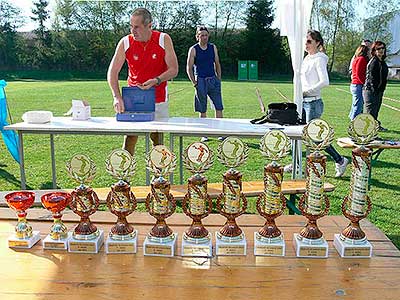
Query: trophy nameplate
point(230, 240)
point(352, 242)
point(269, 240)
point(197, 204)
point(24, 236)
point(86, 237)
point(160, 203)
point(122, 237)
point(314, 204)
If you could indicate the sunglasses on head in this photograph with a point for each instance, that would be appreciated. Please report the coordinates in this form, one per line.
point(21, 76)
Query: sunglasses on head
point(380, 48)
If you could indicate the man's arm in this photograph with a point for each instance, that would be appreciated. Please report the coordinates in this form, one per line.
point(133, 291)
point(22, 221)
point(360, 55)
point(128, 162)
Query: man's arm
point(189, 65)
point(172, 65)
point(112, 76)
point(217, 63)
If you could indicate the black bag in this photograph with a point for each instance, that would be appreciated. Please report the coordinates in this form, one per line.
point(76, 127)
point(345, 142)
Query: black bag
point(283, 113)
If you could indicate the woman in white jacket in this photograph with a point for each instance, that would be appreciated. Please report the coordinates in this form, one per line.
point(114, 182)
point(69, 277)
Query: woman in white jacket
point(314, 77)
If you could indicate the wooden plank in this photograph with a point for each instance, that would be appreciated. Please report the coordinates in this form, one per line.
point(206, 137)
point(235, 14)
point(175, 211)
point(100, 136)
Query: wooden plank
point(39, 274)
point(250, 189)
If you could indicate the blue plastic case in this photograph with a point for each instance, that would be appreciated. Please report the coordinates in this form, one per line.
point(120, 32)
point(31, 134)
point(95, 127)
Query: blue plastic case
point(139, 105)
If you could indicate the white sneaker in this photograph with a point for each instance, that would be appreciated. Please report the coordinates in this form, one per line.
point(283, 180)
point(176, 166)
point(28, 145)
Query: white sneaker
point(288, 168)
point(204, 139)
point(341, 168)
point(221, 138)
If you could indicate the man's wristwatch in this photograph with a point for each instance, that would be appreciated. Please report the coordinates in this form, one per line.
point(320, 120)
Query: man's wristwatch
point(158, 80)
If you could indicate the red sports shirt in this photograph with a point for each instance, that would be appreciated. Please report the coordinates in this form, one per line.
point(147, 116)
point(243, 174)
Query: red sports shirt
point(359, 70)
point(146, 60)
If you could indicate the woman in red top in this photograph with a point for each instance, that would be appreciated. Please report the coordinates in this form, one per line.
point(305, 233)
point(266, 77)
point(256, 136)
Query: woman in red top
point(359, 70)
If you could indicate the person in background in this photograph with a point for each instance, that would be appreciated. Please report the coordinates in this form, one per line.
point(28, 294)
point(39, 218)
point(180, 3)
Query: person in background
point(204, 71)
point(367, 43)
point(376, 80)
point(359, 68)
point(314, 77)
point(151, 60)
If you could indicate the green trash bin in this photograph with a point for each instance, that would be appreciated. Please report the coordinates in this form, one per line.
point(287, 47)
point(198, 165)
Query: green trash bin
point(253, 69)
point(242, 70)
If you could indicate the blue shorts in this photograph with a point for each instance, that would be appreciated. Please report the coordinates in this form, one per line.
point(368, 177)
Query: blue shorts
point(211, 87)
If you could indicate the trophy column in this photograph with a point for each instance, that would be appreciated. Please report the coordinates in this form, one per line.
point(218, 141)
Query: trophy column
point(314, 204)
point(86, 238)
point(197, 204)
point(24, 236)
point(231, 203)
point(121, 202)
point(352, 242)
point(269, 240)
point(161, 240)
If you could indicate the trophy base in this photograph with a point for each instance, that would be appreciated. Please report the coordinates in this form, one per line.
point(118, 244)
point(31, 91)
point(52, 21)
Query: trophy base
point(268, 246)
point(61, 244)
point(230, 248)
point(86, 246)
point(121, 246)
point(197, 247)
point(152, 247)
point(14, 242)
point(310, 248)
point(352, 249)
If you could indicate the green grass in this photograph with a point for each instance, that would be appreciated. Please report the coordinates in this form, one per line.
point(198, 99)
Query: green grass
point(240, 102)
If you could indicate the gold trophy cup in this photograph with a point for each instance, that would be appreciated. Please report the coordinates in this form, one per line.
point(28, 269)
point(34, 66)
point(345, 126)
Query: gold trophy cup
point(269, 240)
point(56, 202)
point(231, 203)
point(356, 206)
point(314, 204)
point(197, 204)
point(24, 236)
point(121, 202)
point(86, 238)
point(161, 241)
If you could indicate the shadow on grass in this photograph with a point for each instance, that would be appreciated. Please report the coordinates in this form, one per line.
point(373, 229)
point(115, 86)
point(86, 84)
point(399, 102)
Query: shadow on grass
point(395, 240)
point(11, 178)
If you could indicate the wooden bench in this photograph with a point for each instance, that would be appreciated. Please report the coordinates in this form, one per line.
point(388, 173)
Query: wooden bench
point(293, 188)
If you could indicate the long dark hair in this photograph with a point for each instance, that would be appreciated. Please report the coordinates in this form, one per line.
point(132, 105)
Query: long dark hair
point(378, 44)
point(316, 36)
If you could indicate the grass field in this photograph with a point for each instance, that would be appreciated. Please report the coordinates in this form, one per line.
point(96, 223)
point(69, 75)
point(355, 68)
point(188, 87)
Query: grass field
point(240, 102)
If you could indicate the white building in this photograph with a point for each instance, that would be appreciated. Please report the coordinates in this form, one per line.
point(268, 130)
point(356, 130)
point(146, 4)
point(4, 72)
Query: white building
point(393, 52)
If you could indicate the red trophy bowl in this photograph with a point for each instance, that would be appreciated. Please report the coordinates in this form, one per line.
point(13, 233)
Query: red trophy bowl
point(56, 202)
point(20, 202)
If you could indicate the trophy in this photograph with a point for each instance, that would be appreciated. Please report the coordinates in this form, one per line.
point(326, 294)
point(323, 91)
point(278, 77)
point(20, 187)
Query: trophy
point(23, 237)
point(314, 204)
point(197, 204)
point(231, 203)
point(161, 240)
point(269, 241)
point(56, 202)
point(121, 202)
point(356, 206)
point(86, 238)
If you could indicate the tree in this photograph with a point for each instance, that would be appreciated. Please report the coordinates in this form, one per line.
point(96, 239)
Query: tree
point(10, 20)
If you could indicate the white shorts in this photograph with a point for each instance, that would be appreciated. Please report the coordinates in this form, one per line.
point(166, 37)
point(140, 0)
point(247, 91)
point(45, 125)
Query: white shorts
point(162, 111)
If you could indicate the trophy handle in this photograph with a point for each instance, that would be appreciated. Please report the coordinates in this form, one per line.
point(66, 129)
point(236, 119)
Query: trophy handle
point(346, 213)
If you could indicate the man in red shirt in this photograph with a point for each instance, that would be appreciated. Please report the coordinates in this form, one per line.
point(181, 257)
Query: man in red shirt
point(151, 60)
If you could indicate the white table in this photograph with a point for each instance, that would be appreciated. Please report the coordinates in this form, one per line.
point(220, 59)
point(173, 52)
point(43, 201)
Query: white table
point(177, 126)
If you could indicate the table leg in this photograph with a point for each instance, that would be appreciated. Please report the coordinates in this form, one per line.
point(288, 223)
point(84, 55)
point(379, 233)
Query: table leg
point(21, 160)
point(297, 157)
point(53, 161)
point(147, 142)
point(171, 146)
point(180, 159)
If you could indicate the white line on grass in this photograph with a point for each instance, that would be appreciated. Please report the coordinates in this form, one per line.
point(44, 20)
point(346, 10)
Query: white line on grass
point(386, 98)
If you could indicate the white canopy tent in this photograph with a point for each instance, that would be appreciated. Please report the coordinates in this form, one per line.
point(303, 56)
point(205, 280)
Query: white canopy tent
point(293, 17)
